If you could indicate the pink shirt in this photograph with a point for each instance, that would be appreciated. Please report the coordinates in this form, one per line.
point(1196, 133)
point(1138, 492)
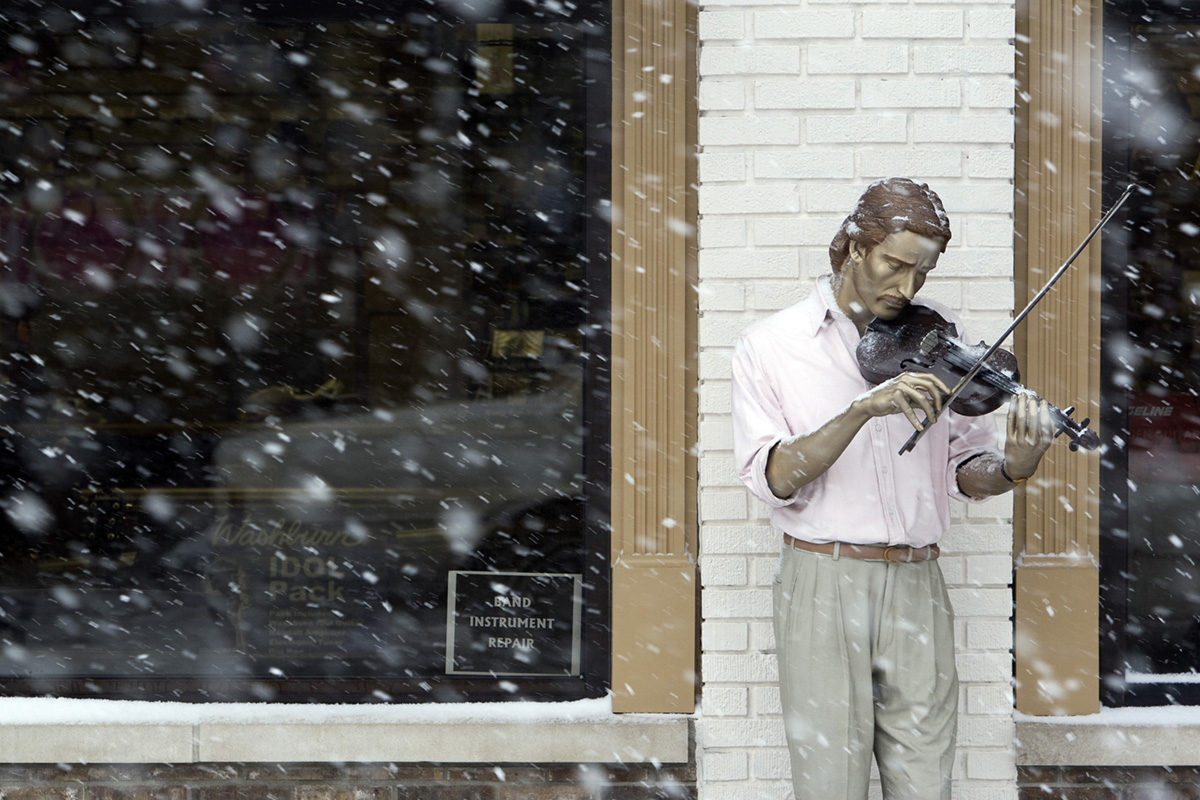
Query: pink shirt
point(794, 371)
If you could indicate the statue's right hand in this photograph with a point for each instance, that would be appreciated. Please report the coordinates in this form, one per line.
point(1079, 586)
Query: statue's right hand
point(904, 394)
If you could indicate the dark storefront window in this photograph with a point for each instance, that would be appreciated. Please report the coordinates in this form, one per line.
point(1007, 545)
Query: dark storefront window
point(1150, 557)
point(303, 350)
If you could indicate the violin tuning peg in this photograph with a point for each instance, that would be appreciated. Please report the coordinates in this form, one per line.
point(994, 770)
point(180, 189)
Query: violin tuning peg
point(1083, 425)
point(1070, 410)
point(1074, 445)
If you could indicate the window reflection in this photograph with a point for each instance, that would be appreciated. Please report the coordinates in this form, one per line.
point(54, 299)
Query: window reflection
point(1155, 361)
point(296, 321)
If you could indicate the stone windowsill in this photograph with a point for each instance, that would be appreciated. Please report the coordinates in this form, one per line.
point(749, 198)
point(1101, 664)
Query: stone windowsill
point(112, 732)
point(1123, 737)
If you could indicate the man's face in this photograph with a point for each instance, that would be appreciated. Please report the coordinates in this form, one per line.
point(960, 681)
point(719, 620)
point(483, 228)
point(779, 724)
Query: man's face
point(882, 281)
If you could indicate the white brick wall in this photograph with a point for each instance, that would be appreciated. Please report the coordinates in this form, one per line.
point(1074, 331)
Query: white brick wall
point(802, 103)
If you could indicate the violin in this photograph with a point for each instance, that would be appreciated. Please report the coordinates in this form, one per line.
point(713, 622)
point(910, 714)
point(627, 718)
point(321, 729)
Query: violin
point(919, 339)
point(915, 341)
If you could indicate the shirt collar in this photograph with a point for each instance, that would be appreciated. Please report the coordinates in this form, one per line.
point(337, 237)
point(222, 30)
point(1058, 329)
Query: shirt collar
point(821, 306)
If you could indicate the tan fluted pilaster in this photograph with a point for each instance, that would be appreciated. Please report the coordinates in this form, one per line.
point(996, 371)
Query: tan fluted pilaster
point(1059, 96)
point(654, 376)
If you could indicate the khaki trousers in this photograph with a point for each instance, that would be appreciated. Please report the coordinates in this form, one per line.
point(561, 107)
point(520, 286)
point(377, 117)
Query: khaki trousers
point(866, 667)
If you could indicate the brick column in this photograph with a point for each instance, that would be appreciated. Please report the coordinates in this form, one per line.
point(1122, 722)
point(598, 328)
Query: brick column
point(802, 105)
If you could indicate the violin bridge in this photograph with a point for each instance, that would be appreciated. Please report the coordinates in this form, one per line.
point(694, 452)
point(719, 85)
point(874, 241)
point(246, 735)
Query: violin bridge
point(929, 342)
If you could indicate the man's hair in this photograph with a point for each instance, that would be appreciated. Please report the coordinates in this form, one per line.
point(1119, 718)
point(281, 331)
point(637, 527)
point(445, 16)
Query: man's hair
point(886, 207)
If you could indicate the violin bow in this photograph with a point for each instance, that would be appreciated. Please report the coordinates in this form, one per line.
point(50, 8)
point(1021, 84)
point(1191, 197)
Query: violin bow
point(1017, 320)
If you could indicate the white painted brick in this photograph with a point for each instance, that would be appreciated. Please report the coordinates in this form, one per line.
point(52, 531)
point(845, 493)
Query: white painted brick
point(727, 296)
point(741, 733)
point(968, 58)
point(718, 470)
point(804, 175)
point(890, 23)
point(911, 93)
point(992, 23)
point(989, 295)
point(716, 433)
point(720, 131)
point(988, 92)
point(724, 635)
point(797, 93)
point(990, 162)
point(762, 635)
point(718, 538)
point(724, 570)
point(796, 230)
point(772, 764)
point(976, 263)
point(815, 260)
point(971, 601)
point(721, 167)
point(989, 699)
point(776, 295)
point(989, 634)
point(796, 23)
point(976, 128)
point(989, 231)
point(989, 731)
point(724, 603)
point(804, 164)
point(722, 95)
point(993, 570)
point(954, 569)
point(945, 290)
point(984, 667)
point(998, 507)
point(723, 504)
point(990, 198)
point(746, 59)
point(766, 700)
point(988, 326)
point(833, 198)
point(775, 198)
point(714, 397)
point(920, 163)
point(775, 262)
point(716, 365)
point(842, 59)
point(982, 790)
point(762, 571)
point(856, 128)
point(722, 232)
point(726, 701)
point(991, 765)
point(740, 668)
point(717, 25)
point(725, 765)
point(739, 3)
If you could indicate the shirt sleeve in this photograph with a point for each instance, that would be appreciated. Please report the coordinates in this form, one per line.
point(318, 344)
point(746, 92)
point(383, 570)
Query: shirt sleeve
point(969, 437)
point(758, 425)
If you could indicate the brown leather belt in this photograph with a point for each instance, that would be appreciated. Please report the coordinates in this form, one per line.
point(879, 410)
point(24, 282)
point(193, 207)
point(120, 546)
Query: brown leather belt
point(893, 554)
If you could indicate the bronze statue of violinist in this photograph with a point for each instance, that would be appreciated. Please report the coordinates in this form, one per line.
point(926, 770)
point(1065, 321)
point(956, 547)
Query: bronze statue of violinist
point(824, 394)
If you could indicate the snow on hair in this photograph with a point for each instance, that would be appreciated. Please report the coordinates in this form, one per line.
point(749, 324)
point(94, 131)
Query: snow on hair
point(889, 206)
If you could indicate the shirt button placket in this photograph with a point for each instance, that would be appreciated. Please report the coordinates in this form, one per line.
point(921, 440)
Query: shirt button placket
point(888, 485)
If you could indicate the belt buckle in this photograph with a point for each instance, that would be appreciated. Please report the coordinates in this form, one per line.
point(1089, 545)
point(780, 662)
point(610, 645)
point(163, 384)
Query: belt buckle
point(887, 554)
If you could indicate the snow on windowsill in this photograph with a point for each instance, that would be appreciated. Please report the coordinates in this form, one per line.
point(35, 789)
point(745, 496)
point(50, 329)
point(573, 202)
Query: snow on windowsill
point(59, 730)
point(1139, 717)
point(72, 711)
point(1126, 737)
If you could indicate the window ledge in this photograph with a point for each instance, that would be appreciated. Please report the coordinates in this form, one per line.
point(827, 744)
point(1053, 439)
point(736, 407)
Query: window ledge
point(110, 732)
point(1119, 737)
